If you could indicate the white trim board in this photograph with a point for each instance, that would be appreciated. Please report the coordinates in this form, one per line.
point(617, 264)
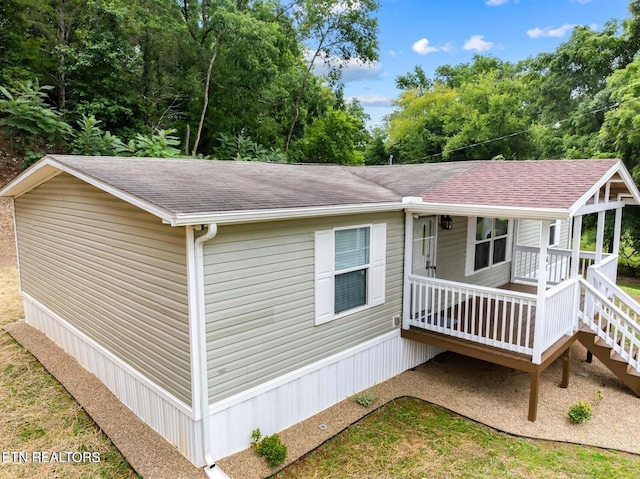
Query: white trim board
point(163, 412)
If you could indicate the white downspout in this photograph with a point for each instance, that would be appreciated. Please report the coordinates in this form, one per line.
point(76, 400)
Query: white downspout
point(201, 335)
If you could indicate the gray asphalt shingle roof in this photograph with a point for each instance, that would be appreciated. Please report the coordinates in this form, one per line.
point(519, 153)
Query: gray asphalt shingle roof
point(193, 187)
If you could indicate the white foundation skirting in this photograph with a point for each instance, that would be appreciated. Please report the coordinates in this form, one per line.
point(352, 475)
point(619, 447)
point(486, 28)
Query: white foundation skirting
point(160, 410)
point(286, 401)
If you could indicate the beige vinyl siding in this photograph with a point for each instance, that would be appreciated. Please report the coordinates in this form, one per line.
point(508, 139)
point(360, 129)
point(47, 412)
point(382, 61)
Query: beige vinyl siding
point(529, 233)
point(259, 288)
point(113, 271)
point(451, 257)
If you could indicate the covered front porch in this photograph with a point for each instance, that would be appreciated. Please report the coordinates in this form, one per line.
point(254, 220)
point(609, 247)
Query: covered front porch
point(536, 297)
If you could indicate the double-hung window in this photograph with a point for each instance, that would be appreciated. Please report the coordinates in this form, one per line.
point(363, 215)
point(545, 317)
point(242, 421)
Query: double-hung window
point(487, 243)
point(349, 270)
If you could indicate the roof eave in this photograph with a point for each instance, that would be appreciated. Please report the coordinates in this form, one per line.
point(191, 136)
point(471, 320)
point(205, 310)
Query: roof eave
point(515, 212)
point(48, 167)
point(626, 177)
point(253, 216)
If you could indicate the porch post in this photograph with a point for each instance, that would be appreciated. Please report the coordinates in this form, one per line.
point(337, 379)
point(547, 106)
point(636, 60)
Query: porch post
point(408, 256)
point(616, 231)
point(514, 250)
point(601, 218)
point(575, 247)
point(542, 289)
point(600, 237)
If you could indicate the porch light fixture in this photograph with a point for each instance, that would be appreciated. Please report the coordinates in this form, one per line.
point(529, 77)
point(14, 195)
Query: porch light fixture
point(446, 223)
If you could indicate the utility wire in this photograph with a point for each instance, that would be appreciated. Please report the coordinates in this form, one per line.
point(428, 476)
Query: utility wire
point(510, 135)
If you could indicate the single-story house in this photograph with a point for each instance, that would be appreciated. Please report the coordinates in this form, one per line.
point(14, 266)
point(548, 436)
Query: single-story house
point(216, 297)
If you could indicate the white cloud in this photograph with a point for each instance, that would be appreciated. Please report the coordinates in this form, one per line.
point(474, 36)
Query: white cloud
point(373, 100)
point(495, 3)
point(447, 47)
point(582, 1)
point(478, 43)
point(550, 32)
point(422, 47)
point(352, 70)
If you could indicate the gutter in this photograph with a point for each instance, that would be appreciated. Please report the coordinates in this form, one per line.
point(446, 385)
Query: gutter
point(199, 340)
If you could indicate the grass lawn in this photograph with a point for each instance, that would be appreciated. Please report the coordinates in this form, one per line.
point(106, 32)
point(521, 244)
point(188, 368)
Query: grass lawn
point(630, 285)
point(408, 438)
point(38, 415)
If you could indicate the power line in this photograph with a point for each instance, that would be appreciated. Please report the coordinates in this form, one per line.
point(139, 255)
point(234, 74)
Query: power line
point(510, 135)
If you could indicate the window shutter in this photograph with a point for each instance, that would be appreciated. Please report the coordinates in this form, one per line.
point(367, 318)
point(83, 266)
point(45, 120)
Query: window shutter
point(324, 261)
point(378, 263)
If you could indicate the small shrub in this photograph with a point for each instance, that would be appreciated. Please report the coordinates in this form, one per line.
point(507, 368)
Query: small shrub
point(364, 399)
point(269, 447)
point(599, 396)
point(580, 412)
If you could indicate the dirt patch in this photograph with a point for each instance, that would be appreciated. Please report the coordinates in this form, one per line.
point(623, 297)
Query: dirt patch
point(7, 238)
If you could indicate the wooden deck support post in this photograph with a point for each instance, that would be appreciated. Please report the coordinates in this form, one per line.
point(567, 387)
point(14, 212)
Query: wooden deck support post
point(534, 393)
point(566, 369)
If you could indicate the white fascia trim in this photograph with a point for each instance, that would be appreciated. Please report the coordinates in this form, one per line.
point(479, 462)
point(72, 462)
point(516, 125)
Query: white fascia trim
point(624, 174)
point(124, 365)
point(510, 212)
point(33, 177)
point(298, 373)
point(595, 208)
point(50, 167)
point(252, 216)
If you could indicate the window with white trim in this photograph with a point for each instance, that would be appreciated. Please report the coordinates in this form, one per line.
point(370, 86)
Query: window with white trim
point(487, 243)
point(349, 270)
point(554, 233)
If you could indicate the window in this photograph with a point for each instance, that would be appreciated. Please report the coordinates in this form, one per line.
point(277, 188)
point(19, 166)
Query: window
point(488, 243)
point(554, 233)
point(349, 270)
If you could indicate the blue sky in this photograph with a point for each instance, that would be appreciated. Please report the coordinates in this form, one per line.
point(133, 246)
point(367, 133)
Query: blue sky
point(430, 33)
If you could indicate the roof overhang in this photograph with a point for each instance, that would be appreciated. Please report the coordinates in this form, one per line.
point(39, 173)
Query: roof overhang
point(48, 168)
point(488, 211)
point(253, 216)
point(632, 198)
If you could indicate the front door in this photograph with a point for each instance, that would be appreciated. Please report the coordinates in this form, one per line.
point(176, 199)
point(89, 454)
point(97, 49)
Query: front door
point(424, 246)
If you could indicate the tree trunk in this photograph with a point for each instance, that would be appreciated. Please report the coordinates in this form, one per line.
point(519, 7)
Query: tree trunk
point(301, 94)
point(205, 103)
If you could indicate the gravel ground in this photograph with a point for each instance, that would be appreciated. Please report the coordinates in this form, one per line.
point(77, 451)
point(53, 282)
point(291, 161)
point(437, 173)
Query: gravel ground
point(486, 393)
point(148, 453)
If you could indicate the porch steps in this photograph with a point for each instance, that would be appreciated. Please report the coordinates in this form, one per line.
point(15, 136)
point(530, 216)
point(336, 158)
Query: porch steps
point(612, 360)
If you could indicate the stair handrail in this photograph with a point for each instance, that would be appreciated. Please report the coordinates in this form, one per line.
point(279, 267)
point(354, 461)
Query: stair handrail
point(624, 297)
point(622, 318)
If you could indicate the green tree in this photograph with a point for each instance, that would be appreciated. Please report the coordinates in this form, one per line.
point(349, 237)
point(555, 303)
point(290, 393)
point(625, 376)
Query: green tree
point(330, 139)
point(334, 32)
point(24, 112)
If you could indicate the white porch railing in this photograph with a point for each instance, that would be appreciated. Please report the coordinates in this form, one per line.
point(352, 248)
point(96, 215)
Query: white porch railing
point(507, 319)
point(527, 258)
point(560, 319)
point(603, 279)
point(610, 322)
point(495, 317)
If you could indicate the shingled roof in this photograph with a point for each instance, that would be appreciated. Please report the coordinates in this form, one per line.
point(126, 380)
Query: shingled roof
point(187, 191)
